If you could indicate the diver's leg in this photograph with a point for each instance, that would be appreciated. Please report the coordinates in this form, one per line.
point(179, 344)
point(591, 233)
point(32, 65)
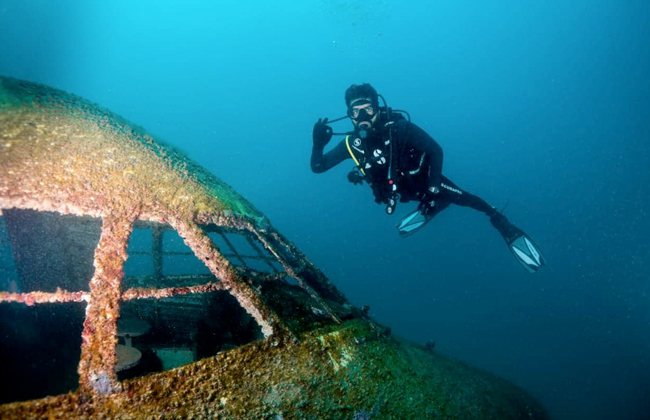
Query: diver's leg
point(521, 245)
point(454, 194)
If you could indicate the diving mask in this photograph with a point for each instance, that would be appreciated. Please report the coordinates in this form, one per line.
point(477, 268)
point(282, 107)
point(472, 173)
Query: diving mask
point(356, 112)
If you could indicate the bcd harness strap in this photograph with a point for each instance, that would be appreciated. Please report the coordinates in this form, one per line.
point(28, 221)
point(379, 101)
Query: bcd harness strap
point(393, 196)
point(347, 143)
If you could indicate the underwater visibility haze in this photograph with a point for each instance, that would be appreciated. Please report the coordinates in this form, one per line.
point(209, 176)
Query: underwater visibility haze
point(541, 108)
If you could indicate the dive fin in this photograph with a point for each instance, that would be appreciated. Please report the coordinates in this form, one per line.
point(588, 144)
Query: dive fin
point(527, 253)
point(410, 224)
point(524, 249)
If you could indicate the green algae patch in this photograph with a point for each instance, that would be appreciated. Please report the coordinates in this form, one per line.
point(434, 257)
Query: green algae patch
point(8, 97)
point(6, 101)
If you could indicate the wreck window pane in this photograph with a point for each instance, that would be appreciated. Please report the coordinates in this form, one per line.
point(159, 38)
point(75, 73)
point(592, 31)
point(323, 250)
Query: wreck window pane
point(175, 331)
point(220, 242)
point(178, 258)
point(242, 246)
point(244, 250)
point(140, 240)
point(51, 250)
point(174, 265)
point(8, 274)
point(262, 266)
point(40, 347)
point(137, 265)
point(140, 261)
point(172, 242)
point(158, 257)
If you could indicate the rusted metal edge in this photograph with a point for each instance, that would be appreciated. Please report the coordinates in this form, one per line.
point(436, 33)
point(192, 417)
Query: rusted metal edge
point(260, 233)
point(32, 298)
point(203, 247)
point(300, 280)
point(142, 293)
point(62, 296)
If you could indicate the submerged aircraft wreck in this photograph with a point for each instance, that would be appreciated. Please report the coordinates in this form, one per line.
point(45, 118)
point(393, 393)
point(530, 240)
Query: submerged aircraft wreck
point(134, 284)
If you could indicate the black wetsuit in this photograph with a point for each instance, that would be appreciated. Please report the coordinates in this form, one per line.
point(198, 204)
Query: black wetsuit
point(416, 166)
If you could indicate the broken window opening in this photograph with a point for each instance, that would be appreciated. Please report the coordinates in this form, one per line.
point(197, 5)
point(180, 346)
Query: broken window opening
point(293, 299)
point(46, 259)
point(40, 347)
point(8, 275)
point(179, 259)
point(184, 312)
point(155, 335)
point(187, 311)
point(50, 251)
point(158, 258)
point(243, 250)
point(174, 311)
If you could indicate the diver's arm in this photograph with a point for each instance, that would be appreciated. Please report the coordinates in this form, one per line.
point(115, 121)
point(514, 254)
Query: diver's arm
point(322, 162)
point(419, 139)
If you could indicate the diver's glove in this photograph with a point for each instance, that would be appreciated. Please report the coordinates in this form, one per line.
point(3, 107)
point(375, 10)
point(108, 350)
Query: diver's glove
point(355, 177)
point(322, 133)
point(428, 201)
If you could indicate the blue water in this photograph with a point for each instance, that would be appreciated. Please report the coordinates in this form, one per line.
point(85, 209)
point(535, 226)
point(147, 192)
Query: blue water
point(541, 105)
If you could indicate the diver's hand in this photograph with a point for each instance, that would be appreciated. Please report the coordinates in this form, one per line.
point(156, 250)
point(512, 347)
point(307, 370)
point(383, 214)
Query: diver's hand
point(355, 177)
point(322, 133)
point(428, 201)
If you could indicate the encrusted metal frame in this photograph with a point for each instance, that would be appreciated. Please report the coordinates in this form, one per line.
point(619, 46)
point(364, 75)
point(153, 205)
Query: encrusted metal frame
point(61, 153)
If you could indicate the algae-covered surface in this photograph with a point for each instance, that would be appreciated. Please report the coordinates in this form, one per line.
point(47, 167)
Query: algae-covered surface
point(337, 373)
point(58, 146)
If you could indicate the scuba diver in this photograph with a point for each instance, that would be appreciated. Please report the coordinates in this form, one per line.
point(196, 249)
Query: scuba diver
point(401, 162)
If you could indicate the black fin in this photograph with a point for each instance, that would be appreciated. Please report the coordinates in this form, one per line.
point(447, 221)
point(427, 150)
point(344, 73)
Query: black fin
point(527, 253)
point(410, 224)
point(524, 249)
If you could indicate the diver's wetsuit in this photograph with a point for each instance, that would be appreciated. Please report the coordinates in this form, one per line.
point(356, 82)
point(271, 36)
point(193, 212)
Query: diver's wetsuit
point(417, 165)
point(405, 162)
